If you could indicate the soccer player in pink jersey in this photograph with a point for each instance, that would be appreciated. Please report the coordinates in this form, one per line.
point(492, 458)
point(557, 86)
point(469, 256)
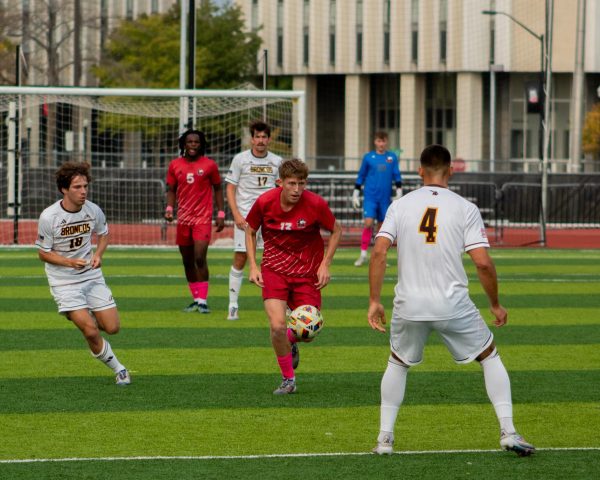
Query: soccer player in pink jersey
point(295, 262)
point(191, 180)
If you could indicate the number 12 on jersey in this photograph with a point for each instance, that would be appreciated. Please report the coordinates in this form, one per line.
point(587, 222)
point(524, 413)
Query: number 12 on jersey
point(428, 227)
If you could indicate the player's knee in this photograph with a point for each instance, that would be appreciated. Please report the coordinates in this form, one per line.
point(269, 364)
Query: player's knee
point(112, 328)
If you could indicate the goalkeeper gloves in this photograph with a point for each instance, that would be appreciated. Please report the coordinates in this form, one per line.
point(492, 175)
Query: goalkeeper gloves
point(356, 199)
point(398, 193)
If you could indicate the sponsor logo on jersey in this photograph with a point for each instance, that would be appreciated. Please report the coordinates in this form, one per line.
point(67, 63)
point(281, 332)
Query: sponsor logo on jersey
point(63, 222)
point(261, 169)
point(389, 159)
point(200, 172)
point(301, 223)
point(40, 237)
point(483, 233)
point(75, 229)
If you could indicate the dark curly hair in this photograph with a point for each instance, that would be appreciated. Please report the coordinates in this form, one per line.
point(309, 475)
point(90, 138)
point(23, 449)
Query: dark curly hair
point(69, 170)
point(184, 135)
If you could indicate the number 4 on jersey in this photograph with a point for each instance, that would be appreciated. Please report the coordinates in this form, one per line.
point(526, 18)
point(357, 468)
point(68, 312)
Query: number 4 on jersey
point(428, 226)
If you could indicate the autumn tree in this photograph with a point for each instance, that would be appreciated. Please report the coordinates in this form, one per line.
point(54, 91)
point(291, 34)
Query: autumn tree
point(145, 52)
point(591, 132)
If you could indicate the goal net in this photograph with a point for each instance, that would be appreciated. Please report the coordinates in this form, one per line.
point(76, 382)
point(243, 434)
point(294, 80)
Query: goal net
point(129, 136)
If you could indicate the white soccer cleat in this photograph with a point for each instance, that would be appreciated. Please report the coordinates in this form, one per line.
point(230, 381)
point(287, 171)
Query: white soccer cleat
point(232, 312)
point(385, 447)
point(516, 443)
point(361, 261)
point(123, 378)
point(288, 386)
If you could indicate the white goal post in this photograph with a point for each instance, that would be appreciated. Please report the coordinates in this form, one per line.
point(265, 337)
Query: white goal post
point(129, 136)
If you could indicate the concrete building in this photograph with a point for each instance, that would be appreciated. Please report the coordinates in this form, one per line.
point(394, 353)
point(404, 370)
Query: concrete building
point(425, 70)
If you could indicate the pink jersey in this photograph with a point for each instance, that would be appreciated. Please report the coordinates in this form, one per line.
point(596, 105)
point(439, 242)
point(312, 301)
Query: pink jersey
point(293, 242)
point(193, 182)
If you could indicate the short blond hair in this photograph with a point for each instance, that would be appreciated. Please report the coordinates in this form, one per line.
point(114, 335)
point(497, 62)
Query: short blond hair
point(293, 168)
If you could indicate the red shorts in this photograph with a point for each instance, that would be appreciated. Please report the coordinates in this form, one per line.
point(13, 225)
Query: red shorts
point(188, 234)
point(295, 291)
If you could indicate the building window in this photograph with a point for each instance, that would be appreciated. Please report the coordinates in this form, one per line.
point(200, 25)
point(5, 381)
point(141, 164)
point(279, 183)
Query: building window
point(103, 23)
point(305, 32)
point(154, 7)
point(359, 31)
point(440, 118)
point(385, 107)
point(129, 10)
point(280, 33)
point(386, 31)
point(443, 29)
point(414, 27)
point(254, 16)
point(332, 19)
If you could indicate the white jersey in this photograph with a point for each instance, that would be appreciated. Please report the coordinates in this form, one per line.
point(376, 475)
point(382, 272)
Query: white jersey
point(69, 234)
point(433, 226)
point(252, 176)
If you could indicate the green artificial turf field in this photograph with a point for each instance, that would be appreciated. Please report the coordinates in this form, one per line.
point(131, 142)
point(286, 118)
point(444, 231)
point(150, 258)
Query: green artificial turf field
point(200, 405)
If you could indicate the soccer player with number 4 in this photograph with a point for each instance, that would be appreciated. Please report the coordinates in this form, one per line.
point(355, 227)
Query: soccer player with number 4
point(295, 263)
point(433, 227)
point(191, 180)
point(252, 173)
point(73, 269)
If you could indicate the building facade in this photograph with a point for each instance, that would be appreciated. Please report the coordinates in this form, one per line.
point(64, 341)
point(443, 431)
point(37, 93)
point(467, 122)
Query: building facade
point(431, 71)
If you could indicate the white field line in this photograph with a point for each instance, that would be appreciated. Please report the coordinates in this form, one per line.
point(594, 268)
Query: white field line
point(274, 455)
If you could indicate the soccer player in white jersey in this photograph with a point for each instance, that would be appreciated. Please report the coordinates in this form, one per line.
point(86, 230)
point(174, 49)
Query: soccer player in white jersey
point(432, 227)
point(252, 173)
point(73, 269)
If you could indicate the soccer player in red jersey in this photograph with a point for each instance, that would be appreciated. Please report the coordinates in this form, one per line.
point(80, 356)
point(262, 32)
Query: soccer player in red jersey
point(191, 180)
point(295, 263)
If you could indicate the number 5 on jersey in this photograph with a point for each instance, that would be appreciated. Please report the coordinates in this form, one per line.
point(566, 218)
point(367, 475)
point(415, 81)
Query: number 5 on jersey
point(428, 226)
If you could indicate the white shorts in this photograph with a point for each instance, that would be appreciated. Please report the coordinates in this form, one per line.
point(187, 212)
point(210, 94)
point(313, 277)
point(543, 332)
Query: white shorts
point(93, 295)
point(465, 337)
point(239, 240)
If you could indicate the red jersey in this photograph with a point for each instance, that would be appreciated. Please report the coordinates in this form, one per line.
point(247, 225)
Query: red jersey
point(193, 182)
point(293, 242)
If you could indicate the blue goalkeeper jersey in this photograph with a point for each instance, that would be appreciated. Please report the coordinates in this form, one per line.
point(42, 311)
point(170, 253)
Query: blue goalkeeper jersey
point(377, 173)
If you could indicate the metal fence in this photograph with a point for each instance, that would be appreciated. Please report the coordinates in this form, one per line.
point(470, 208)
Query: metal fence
point(136, 197)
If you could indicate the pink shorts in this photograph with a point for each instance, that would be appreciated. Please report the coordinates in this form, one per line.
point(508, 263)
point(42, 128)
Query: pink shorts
point(188, 234)
point(295, 291)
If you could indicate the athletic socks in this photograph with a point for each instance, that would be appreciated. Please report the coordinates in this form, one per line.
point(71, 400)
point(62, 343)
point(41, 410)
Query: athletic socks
point(285, 364)
point(107, 357)
point(199, 291)
point(235, 284)
point(291, 337)
point(393, 385)
point(365, 241)
point(497, 385)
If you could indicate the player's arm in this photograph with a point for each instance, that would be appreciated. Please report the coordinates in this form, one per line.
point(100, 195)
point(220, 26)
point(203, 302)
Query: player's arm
point(171, 189)
point(486, 271)
point(238, 218)
point(377, 264)
point(255, 275)
point(218, 191)
point(100, 249)
point(57, 259)
point(323, 275)
point(360, 180)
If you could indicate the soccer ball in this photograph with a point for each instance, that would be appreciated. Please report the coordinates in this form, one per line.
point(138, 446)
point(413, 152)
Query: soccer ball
point(305, 321)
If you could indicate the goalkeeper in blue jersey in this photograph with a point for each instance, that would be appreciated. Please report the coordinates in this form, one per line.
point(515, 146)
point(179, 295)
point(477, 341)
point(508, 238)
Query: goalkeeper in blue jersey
point(378, 170)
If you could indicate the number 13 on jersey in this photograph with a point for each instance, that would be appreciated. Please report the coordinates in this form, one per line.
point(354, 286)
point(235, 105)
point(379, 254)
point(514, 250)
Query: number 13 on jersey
point(428, 227)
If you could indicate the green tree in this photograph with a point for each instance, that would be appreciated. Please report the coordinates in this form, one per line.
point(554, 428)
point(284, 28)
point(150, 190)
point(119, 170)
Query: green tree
point(591, 132)
point(145, 52)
